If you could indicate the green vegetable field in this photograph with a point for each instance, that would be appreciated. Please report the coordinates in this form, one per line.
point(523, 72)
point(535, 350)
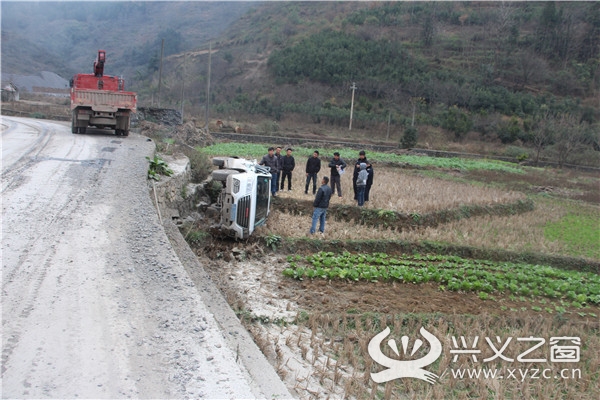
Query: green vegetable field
point(570, 288)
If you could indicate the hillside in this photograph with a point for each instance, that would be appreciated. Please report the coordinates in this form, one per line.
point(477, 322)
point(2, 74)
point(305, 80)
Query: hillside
point(64, 36)
point(432, 74)
point(511, 74)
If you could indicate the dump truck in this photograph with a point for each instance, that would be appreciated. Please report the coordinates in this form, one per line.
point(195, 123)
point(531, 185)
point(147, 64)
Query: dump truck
point(245, 199)
point(100, 101)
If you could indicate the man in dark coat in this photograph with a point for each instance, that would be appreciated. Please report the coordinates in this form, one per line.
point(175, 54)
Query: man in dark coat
point(287, 167)
point(313, 166)
point(337, 166)
point(369, 182)
point(280, 165)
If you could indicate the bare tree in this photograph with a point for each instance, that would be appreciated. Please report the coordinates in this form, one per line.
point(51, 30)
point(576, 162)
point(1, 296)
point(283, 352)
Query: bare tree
point(532, 68)
point(542, 134)
point(569, 135)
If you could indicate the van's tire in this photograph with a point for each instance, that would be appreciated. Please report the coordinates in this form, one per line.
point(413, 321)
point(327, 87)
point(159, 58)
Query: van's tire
point(219, 162)
point(222, 174)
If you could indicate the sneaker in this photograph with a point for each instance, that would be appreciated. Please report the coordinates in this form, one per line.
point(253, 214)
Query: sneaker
point(305, 192)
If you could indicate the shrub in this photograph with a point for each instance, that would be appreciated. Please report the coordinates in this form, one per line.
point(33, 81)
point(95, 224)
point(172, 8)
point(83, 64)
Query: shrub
point(213, 188)
point(409, 140)
point(200, 164)
point(457, 121)
point(158, 167)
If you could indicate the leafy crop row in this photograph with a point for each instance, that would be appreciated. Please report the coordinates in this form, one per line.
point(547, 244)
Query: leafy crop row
point(253, 150)
point(452, 273)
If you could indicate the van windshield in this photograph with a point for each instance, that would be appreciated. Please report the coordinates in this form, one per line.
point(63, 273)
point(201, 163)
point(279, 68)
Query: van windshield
point(263, 189)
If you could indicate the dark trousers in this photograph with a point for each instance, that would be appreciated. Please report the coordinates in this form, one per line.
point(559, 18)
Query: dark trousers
point(287, 174)
point(274, 183)
point(360, 195)
point(310, 176)
point(336, 182)
point(367, 191)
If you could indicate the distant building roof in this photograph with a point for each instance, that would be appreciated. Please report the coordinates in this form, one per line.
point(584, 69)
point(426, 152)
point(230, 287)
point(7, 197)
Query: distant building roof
point(44, 82)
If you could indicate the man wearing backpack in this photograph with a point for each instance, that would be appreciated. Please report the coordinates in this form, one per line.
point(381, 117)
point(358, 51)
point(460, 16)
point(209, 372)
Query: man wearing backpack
point(361, 184)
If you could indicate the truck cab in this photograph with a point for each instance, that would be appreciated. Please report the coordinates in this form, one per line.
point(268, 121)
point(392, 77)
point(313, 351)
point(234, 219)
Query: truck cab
point(245, 199)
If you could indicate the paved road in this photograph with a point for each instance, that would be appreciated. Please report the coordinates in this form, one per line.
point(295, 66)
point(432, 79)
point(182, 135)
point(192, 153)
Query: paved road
point(95, 303)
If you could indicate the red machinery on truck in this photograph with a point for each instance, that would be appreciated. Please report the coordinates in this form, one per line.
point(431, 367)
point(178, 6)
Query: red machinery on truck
point(101, 101)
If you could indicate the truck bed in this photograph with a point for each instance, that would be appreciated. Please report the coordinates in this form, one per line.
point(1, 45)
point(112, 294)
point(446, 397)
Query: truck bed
point(103, 100)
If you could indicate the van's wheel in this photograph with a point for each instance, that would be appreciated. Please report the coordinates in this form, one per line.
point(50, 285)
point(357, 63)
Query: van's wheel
point(222, 174)
point(219, 162)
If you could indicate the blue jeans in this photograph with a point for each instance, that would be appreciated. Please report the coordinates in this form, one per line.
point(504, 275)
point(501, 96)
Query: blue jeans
point(318, 215)
point(274, 188)
point(360, 195)
point(310, 176)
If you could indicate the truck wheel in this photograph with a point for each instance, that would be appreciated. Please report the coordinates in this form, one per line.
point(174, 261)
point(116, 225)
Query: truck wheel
point(219, 162)
point(222, 174)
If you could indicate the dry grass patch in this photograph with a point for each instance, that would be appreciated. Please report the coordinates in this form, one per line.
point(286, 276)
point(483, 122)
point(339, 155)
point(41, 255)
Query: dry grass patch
point(519, 233)
point(408, 191)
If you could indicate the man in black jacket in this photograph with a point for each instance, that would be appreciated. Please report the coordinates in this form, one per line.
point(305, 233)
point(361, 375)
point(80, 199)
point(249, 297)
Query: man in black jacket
point(313, 166)
point(337, 166)
point(279, 166)
point(321, 204)
point(287, 167)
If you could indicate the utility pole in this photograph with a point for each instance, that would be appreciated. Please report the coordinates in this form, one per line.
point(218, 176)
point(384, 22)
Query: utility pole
point(183, 85)
point(162, 47)
point(353, 87)
point(208, 84)
point(387, 136)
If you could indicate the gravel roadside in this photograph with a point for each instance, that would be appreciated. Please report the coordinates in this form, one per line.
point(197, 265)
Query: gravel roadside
point(96, 303)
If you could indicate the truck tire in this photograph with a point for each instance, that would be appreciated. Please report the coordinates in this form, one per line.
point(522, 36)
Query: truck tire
point(222, 174)
point(219, 162)
point(73, 123)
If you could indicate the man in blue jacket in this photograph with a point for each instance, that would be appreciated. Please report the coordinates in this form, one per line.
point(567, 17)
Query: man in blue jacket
point(321, 204)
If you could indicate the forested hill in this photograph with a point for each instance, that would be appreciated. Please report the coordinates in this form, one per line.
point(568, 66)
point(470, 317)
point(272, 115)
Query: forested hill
point(499, 69)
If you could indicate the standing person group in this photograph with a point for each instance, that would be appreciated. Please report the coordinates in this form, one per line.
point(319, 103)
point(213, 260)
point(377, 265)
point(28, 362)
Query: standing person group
point(281, 167)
